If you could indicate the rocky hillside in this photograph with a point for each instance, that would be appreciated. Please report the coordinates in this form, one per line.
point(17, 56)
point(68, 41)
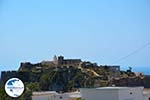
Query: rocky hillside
point(66, 78)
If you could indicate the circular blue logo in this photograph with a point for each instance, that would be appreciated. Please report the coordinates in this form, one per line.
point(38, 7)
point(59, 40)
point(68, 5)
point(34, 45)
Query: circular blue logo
point(14, 87)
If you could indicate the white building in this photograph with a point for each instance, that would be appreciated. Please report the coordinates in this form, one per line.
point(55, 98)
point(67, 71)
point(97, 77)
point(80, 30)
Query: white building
point(103, 93)
point(52, 95)
point(146, 95)
point(113, 93)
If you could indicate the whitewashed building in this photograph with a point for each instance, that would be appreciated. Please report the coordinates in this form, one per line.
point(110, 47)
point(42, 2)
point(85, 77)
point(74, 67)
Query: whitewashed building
point(102, 93)
point(113, 93)
point(52, 95)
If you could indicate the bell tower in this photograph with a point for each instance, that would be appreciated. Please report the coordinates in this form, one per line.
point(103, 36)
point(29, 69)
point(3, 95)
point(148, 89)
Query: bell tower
point(55, 60)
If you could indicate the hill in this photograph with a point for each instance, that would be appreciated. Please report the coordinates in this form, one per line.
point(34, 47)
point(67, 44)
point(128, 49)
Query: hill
point(66, 75)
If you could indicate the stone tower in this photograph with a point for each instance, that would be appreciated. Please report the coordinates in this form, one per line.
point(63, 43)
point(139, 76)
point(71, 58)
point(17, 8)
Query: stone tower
point(55, 60)
point(60, 60)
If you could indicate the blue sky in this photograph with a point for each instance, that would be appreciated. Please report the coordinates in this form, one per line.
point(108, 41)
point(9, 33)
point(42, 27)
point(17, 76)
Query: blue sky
point(101, 31)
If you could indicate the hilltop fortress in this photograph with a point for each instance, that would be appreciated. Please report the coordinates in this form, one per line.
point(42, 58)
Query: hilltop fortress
point(62, 74)
point(56, 62)
point(61, 61)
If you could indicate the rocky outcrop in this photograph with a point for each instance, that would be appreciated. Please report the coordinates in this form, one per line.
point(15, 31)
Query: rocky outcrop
point(25, 76)
point(146, 81)
point(135, 81)
point(132, 82)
